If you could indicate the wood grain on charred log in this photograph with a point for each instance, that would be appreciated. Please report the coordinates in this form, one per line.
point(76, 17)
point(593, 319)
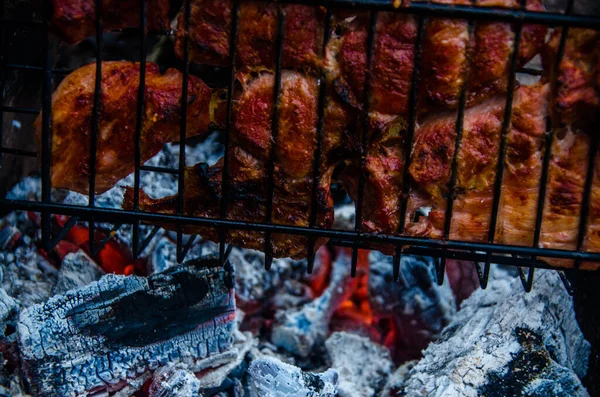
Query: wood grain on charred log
point(118, 330)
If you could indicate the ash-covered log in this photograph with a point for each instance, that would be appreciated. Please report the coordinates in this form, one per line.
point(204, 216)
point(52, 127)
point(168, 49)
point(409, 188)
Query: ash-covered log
point(115, 332)
point(419, 307)
point(300, 331)
point(363, 365)
point(271, 377)
point(505, 342)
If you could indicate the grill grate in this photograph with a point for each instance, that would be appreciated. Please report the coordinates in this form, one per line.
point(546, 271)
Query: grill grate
point(482, 253)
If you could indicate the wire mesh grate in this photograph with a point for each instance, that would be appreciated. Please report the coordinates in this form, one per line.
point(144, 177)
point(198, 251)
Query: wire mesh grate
point(482, 253)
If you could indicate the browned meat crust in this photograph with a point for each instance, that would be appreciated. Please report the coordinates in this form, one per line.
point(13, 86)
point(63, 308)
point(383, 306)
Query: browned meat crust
point(72, 117)
point(249, 156)
point(75, 20)
point(210, 34)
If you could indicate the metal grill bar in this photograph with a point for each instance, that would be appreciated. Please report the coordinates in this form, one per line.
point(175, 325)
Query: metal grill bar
point(225, 172)
point(95, 121)
point(2, 78)
point(146, 241)
point(547, 154)
point(587, 195)
point(139, 124)
point(274, 132)
point(17, 66)
point(183, 253)
point(454, 167)
point(110, 215)
point(183, 124)
point(96, 248)
point(410, 134)
point(506, 122)
point(163, 170)
point(46, 134)
point(18, 152)
point(19, 110)
point(365, 133)
point(321, 104)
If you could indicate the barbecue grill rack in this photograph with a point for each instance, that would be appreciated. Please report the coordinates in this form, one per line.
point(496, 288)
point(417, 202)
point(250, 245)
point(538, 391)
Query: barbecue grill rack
point(481, 253)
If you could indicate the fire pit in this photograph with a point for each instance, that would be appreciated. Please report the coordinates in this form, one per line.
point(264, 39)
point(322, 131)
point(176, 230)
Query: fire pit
point(142, 288)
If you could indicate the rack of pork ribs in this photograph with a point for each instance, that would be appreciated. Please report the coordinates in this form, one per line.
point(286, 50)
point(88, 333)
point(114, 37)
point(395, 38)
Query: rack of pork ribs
point(372, 124)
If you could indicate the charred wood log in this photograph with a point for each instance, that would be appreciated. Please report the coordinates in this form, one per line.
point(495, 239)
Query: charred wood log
point(363, 365)
point(116, 331)
point(505, 342)
point(270, 377)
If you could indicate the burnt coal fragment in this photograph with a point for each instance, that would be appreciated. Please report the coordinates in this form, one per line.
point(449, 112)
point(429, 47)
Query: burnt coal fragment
point(115, 332)
point(270, 377)
point(506, 342)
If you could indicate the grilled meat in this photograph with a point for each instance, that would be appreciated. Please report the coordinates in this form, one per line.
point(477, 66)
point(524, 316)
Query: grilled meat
point(72, 104)
point(574, 121)
point(249, 158)
point(210, 34)
point(74, 20)
point(446, 47)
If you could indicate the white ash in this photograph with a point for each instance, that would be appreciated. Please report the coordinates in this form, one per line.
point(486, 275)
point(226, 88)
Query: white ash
point(116, 331)
point(344, 217)
point(76, 270)
point(171, 381)
point(396, 381)
point(504, 341)
point(363, 365)
point(270, 377)
point(26, 275)
point(254, 284)
point(419, 306)
point(164, 253)
point(291, 295)
point(302, 330)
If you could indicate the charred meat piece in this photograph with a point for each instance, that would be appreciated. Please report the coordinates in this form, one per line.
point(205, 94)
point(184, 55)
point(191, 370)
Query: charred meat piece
point(249, 156)
point(75, 20)
point(72, 104)
point(210, 34)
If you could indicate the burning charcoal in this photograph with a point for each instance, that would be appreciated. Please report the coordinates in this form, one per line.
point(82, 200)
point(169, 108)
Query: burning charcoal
point(292, 294)
point(419, 307)
point(116, 331)
point(505, 342)
point(26, 275)
point(254, 284)
point(270, 377)
point(363, 365)
point(300, 331)
point(10, 237)
point(173, 382)
point(76, 270)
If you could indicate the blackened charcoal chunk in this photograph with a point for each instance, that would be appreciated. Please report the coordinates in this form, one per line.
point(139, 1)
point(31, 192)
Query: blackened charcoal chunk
point(270, 377)
point(363, 365)
point(113, 333)
point(76, 270)
point(419, 306)
point(171, 381)
point(506, 342)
